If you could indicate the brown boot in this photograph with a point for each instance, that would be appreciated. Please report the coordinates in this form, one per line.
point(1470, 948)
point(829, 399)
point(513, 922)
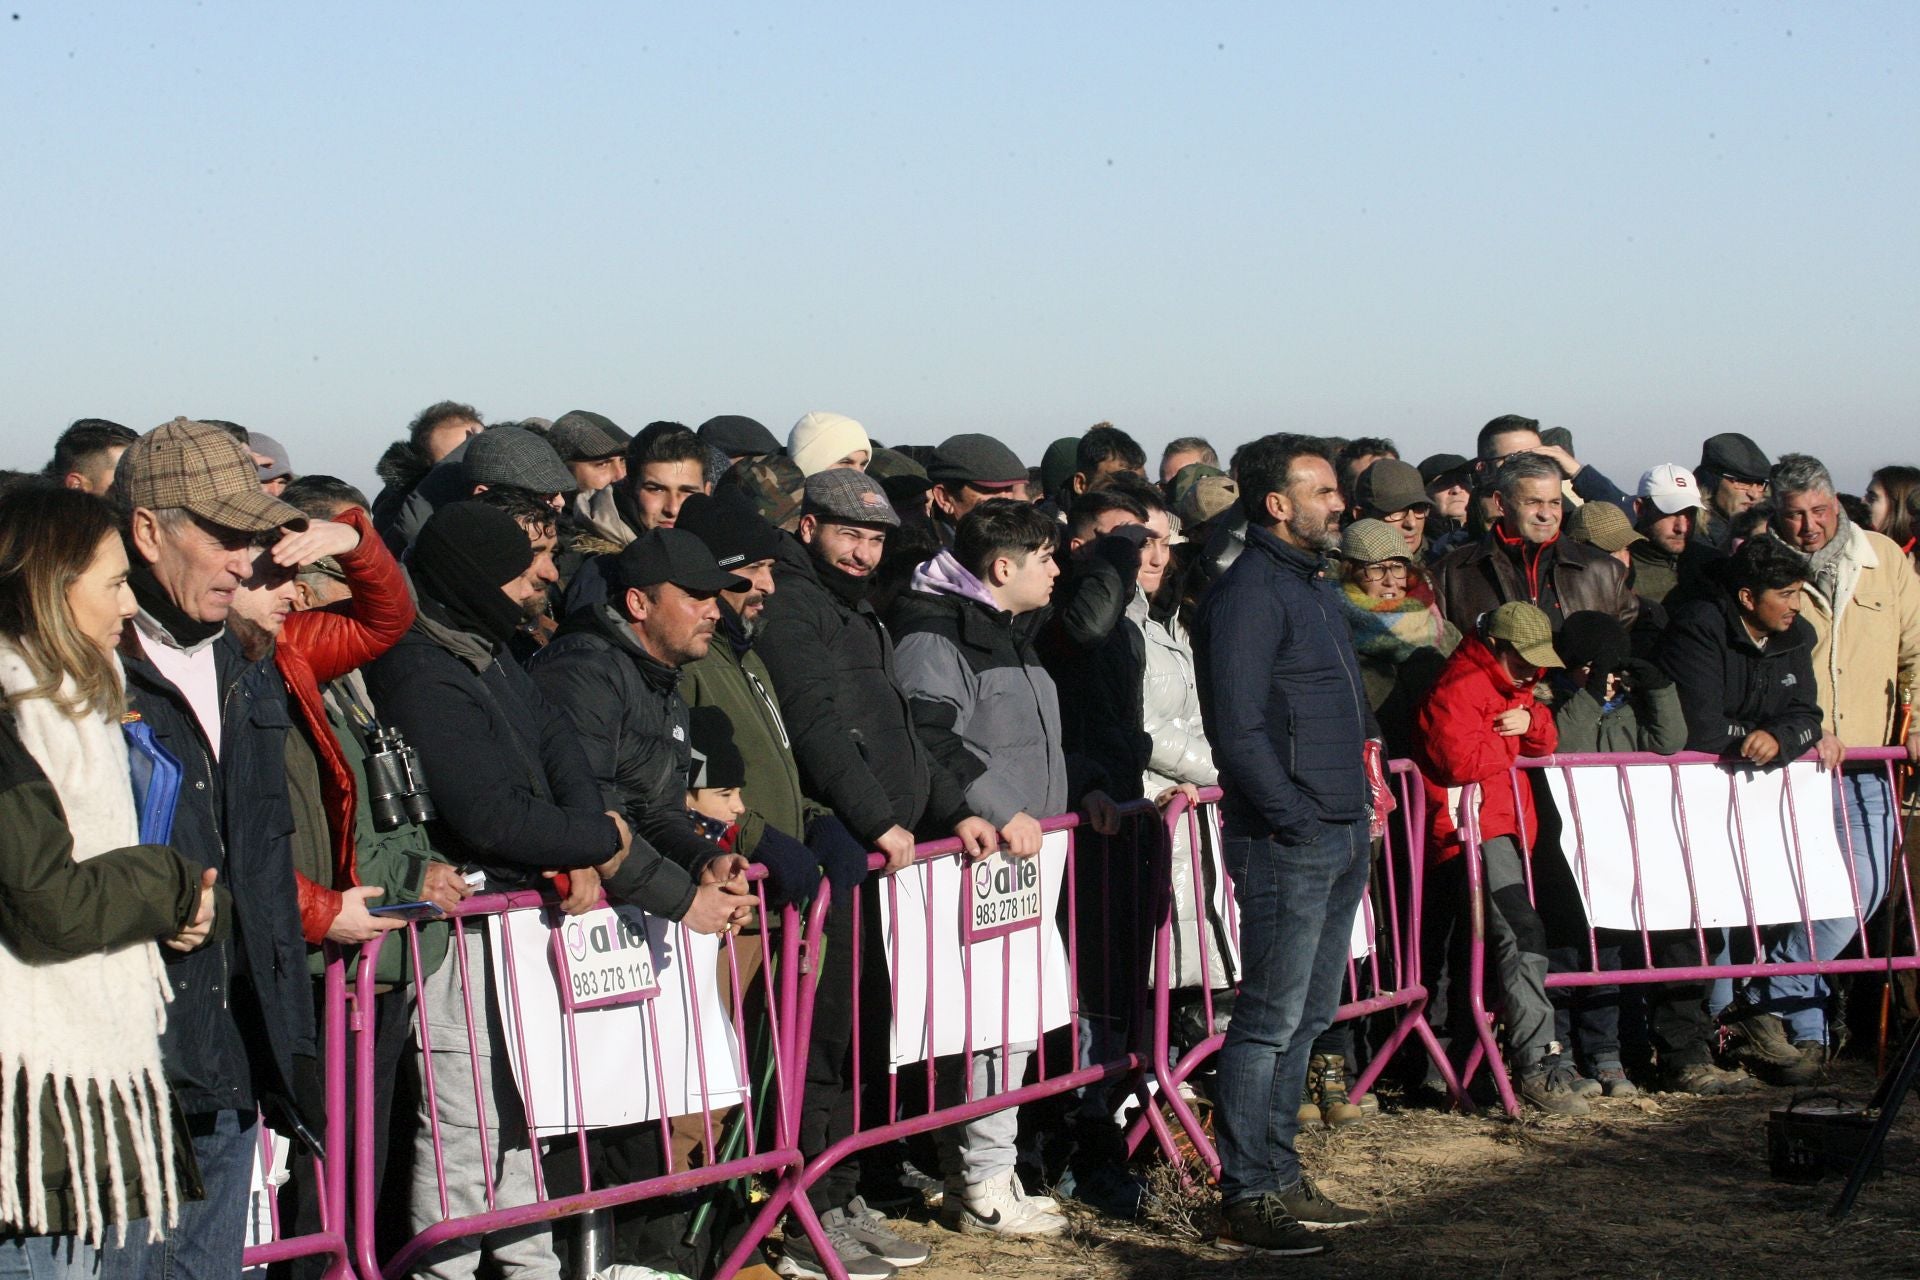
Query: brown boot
point(1328, 1071)
point(1309, 1114)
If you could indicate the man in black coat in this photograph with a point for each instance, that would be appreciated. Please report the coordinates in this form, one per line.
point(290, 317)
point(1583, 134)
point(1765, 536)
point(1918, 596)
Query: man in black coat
point(240, 1029)
point(1742, 660)
point(516, 801)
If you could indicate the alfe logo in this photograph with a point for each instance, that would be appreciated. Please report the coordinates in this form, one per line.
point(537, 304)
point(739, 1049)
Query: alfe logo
point(604, 938)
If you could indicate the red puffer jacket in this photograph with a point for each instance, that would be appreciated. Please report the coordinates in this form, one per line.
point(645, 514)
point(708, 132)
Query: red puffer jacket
point(318, 645)
point(1455, 745)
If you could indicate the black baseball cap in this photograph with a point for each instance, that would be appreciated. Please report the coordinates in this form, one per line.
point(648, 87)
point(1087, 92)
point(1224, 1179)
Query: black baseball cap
point(670, 555)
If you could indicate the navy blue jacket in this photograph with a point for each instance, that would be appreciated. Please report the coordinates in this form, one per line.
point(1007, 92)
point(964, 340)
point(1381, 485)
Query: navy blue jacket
point(240, 1028)
point(1280, 686)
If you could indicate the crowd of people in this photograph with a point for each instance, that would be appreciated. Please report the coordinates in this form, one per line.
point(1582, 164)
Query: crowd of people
point(634, 667)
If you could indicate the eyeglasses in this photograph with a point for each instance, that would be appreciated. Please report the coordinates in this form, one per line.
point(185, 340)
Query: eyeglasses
point(1385, 571)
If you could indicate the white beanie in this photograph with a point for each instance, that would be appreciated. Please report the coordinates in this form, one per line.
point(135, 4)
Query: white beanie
point(821, 439)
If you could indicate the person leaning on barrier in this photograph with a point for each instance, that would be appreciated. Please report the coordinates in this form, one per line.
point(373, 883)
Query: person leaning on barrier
point(1862, 601)
point(97, 1161)
point(1743, 664)
point(515, 800)
point(1287, 716)
point(988, 710)
point(239, 1044)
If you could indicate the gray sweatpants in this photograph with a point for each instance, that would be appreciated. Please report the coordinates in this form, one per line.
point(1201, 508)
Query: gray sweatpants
point(982, 1148)
point(524, 1252)
point(1518, 942)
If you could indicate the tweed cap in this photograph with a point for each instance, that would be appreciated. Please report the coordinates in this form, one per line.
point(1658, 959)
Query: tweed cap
point(848, 497)
point(202, 468)
point(773, 484)
point(1525, 628)
point(580, 435)
point(1371, 541)
point(516, 456)
point(1198, 498)
point(1390, 485)
point(1602, 525)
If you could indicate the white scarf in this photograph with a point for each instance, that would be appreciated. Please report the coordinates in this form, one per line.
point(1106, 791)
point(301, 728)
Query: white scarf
point(86, 1029)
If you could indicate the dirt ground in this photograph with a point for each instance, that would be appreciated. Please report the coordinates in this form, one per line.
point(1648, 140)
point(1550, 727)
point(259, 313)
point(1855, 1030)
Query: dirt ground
point(1664, 1186)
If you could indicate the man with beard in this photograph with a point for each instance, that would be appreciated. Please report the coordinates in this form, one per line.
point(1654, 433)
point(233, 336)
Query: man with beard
point(1287, 716)
point(1523, 557)
point(832, 664)
point(1668, 559)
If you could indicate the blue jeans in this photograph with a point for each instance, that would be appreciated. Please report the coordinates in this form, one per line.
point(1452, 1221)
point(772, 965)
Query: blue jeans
point(207, 1241)
point(48, 1258)
point(1801, 999)
point(1296, 911)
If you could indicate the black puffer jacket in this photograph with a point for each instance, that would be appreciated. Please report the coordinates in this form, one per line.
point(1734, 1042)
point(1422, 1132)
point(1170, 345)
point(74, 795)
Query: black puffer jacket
point(852, 727)
point(1730, 688)
point(1099, 661)
point(513, 789)
point(1285, 706)
point(631, 723)
point(240, 1028)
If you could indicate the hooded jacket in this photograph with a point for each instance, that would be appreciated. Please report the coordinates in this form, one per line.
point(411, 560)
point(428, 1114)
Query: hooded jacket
point(1455, 745)
point(1097, 656)
point(1730, 687)
point(832, 663)
point(513, 790)
point(628, 717)
point(981, 700)
point(1280, 684)
point(234, 815)
point(1561, 577)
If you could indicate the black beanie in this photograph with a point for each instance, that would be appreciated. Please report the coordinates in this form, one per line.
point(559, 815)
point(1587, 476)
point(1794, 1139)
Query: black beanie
point(462, 556)
point(1589, 638)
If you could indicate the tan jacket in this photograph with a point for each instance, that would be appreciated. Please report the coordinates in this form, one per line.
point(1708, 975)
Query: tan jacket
point(1876, 654)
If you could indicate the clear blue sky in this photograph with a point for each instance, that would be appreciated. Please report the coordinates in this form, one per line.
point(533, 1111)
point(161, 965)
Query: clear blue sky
point(1643, 222)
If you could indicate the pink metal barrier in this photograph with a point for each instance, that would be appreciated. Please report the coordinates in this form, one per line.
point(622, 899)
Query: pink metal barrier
point(1880, 763)
point(1386, 980)
point(1113, 865)
point(724, 1148)
point(330, 1173)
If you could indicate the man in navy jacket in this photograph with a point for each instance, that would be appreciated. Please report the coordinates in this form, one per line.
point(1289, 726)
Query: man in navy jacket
point(1287, 718)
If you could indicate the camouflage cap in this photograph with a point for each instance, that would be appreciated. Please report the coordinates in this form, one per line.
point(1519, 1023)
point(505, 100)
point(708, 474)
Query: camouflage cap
point(1525, 628)
point(775, 486)
point(203, 469)
point(1207, 498)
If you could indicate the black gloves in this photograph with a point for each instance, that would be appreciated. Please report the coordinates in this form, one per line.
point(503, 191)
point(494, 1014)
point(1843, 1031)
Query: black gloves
point(792, 872)
point(842, 857)
point(1648, 676)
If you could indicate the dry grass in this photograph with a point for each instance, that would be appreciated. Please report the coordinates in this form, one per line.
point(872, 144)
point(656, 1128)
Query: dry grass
point(1667, 1186)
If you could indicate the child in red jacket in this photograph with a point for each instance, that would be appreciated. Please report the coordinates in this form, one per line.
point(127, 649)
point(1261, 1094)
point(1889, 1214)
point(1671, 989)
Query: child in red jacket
point(1480, 717)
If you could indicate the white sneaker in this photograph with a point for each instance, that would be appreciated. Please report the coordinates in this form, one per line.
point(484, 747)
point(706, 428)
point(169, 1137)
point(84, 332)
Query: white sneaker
point(634, 1271)
point(1000, 1206)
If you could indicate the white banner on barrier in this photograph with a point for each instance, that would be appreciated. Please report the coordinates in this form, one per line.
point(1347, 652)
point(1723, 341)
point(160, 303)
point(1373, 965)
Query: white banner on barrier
point(622, 998)
point(1008, 906)
point(1741, 835)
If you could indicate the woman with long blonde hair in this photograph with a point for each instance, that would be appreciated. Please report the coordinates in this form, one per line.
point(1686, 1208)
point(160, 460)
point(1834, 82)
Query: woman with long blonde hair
point(89, 1156)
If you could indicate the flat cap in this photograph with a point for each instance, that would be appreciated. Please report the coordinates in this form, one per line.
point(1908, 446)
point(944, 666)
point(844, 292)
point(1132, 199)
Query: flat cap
point(1433, 466)
point(280, 464)
point(1525, 628)
point(977, 460)
point(738, 436)
point(1734, 455)
point(207, 471)
point(581, 435)
point(516, 456)
point(848, 496)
